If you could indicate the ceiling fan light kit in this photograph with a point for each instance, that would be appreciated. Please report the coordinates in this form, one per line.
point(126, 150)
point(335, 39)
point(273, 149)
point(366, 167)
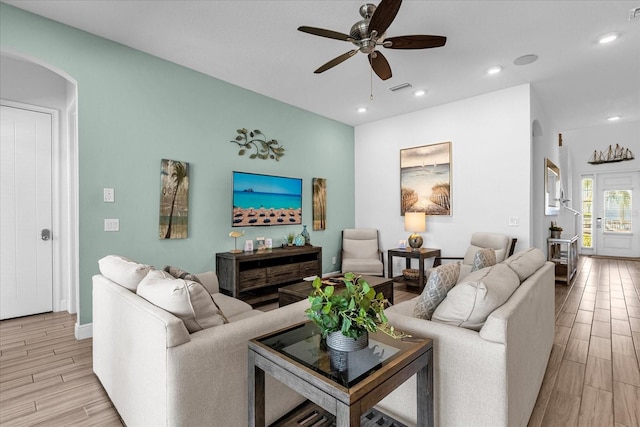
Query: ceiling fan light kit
point(370, 33)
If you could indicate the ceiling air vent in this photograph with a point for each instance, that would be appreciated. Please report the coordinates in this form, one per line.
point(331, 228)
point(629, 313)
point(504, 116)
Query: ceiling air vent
point(399, 87)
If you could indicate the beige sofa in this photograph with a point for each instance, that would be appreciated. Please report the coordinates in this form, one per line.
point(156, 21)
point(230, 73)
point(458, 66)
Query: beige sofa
point(158, 374)
point(489, 377)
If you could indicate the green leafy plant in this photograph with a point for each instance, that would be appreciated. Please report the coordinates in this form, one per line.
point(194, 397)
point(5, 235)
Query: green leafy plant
point(263, 149)
point(290, 238)
point(555, 226)
point(352, 310)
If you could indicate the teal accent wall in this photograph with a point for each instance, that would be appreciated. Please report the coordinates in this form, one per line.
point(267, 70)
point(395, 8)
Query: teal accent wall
point(135, 109)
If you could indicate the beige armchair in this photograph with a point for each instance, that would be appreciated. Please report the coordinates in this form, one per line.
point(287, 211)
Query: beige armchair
point(361, 252)
point(501, 243)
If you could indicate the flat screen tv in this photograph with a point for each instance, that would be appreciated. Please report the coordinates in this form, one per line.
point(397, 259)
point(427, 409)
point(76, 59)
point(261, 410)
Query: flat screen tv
point(266, 200)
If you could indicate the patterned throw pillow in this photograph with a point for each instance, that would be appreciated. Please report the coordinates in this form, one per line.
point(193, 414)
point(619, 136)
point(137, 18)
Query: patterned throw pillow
point(484, 258)
point(441, 280)
point(178, 273)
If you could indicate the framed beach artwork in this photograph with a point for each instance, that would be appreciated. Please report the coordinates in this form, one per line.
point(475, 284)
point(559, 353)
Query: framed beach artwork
point(425, 179)
point(319, 203)
point(174, 199)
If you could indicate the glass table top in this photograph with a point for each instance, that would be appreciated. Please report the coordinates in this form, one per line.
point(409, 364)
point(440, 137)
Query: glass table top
point(304, 344)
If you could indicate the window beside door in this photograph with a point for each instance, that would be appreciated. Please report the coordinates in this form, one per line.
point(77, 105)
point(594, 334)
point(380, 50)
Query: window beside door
point(587, 212)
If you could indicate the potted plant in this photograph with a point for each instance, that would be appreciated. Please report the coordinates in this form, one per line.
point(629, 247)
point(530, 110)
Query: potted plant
point(556, 230)
point(345, 317)
point(290, 238)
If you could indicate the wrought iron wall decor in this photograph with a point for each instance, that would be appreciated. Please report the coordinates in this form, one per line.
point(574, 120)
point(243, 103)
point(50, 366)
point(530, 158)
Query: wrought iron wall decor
point(263, 149)
point(611, 155)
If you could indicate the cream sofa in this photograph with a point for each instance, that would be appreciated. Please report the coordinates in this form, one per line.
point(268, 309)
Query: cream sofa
point(489, 377)
point(158, 374)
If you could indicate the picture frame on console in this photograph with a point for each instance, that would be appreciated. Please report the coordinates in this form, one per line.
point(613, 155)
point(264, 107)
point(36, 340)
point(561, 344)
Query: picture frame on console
point(425, 179)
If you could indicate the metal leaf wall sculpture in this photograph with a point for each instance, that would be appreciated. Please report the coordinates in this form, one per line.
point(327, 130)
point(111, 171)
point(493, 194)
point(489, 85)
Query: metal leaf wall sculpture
point(256, 141)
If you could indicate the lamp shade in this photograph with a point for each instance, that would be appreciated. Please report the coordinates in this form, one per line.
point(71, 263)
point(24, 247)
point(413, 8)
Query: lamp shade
point(414, 221)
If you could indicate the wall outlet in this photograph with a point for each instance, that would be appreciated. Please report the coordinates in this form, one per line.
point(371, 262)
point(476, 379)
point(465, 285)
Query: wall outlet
point(111, 224)
point(333, 260)
point(109, 195)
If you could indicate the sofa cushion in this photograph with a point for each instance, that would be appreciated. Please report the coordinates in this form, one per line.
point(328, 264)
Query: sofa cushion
point(123, 271)
point(484, 258)
point(526, 263)
point(469, 303)
point(185, 299)
point(231, 307)
point(441, 279)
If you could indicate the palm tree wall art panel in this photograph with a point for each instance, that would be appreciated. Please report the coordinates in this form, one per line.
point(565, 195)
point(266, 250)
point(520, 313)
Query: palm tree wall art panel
point(174, 199)
point(319, 203)
point(425, 179)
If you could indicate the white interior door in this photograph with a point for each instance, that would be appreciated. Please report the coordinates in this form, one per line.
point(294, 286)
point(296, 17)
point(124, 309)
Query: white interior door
point(26, 262)
point(616, 208)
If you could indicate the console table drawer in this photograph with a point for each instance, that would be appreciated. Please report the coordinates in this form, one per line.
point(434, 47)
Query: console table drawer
point(309, 268)
point(283, 273)
point(252, 278)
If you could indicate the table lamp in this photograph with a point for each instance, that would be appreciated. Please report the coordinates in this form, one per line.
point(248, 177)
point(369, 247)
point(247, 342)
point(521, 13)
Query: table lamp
point(235, 235)
point(415, 222)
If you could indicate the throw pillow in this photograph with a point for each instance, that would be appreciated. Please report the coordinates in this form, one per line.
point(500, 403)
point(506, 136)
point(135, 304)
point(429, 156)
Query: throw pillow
point(185, 299)
point(526, 263)
point(469, 303)
point(484, 258)
point(179, 273)
point(123, 271)
point(441, 280)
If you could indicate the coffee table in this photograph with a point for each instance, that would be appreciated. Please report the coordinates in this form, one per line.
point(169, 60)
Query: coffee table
point(345, 385)
point(299, 291)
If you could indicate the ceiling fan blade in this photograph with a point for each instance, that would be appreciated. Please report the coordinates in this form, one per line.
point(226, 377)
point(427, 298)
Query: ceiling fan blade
point(384, 15)
point(415, 42)
point(335, 61)
point(380, 65)
point(325, 33)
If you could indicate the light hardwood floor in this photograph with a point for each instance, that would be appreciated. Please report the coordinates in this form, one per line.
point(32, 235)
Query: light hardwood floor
point(593, 377)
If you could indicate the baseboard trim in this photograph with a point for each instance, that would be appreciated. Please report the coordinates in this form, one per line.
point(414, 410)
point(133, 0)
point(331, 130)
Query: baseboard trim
point(83, 332)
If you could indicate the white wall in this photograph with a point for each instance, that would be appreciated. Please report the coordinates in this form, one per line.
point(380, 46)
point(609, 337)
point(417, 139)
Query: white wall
point(544, 145)
point(491, 150)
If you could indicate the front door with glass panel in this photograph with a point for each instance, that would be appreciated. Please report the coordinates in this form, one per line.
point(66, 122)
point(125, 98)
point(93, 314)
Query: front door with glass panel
point(616, 214)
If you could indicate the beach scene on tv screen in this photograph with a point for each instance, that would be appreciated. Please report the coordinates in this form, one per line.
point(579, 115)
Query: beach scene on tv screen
point(266, 200)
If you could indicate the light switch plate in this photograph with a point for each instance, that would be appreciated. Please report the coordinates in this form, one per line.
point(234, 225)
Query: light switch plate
point(109, 195)
point(111, 224)
point(514, 221)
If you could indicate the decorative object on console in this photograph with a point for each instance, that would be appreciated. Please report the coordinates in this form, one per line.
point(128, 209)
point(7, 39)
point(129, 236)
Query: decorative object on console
point(263, 149)
point(299, 240)
point(415, 222)
point(319, 203)
point(612, 155)
point(425, 179)
point(174, 199)
point(305, 234)
point(290, 238)
point(350, 312)
point(248, 245)
point(556, 230)
point(235, 235)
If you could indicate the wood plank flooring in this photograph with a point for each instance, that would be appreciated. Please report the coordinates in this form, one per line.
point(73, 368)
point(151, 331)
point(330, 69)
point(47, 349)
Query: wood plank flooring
point(593, 376)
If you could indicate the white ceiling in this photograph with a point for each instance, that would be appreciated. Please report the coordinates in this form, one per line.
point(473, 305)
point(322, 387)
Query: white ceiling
point(255, 45)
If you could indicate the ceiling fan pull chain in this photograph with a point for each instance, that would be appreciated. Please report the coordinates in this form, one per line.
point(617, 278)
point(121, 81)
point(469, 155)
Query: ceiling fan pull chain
point(371, 87)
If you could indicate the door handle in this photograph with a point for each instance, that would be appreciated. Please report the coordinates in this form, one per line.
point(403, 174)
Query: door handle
point(45, 234)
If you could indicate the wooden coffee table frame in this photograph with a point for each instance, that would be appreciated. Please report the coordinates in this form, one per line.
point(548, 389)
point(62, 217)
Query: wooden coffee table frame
point(346, 404)
point(299, 291)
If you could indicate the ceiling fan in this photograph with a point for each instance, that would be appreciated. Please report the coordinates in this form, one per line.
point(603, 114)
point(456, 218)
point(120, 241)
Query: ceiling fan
point(370, 32)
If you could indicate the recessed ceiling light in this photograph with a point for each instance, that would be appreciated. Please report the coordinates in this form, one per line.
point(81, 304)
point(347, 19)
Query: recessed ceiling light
point(419, 92)
point(362, 110)
point(608, 38)
point(613, 118)
point(494, 70)
point(525, 59)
